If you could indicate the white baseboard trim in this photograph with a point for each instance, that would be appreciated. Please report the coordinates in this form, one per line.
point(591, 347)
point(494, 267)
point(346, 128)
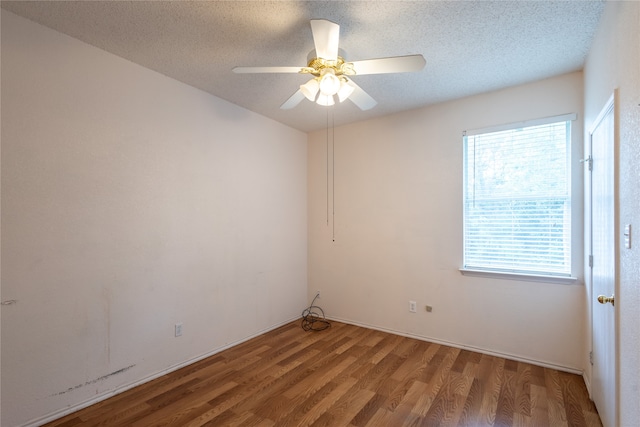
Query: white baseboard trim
point(99, 398)
point(519, 358)
point(587, 383)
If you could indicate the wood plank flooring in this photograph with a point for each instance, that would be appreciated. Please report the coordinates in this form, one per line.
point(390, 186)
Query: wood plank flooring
point(348, 376)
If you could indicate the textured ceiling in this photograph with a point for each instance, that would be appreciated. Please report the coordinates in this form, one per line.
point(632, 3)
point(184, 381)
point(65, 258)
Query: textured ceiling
point(470, 46)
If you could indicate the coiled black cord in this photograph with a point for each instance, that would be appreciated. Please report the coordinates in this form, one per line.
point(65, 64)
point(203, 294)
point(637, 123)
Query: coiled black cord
point(313, 318)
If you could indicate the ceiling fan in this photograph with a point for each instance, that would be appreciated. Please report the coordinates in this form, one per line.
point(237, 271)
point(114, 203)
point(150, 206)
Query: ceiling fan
point(332, 74)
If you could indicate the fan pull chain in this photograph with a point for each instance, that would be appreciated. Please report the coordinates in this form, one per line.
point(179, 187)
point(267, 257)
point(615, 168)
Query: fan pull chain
point(333, 174)
point(331, 134)
point(327, 167)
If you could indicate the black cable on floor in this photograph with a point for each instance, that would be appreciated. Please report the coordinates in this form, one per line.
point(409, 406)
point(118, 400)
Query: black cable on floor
point(313, 318)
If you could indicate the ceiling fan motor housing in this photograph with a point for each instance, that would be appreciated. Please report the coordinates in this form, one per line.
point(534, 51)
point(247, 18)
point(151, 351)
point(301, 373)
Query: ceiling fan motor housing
point(315, 65)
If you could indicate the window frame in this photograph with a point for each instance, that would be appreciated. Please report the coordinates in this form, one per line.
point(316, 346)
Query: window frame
point(517, 275)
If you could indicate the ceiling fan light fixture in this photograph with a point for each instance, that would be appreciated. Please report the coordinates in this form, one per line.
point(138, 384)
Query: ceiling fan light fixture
point(310, 89)
point(326, 63)
point(325, 100)
point(329, 82)
point(345, 90)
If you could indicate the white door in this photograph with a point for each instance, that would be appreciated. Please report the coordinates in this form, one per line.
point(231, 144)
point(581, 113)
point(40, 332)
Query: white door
point(603, 271)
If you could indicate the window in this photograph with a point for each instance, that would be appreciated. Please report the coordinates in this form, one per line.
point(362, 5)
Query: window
point(517, 198)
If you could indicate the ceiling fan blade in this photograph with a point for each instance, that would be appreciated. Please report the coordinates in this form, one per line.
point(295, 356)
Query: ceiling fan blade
point(244, 70)
point(295, 99)
point(361, 98)
point(326, 35)
point(394, 64)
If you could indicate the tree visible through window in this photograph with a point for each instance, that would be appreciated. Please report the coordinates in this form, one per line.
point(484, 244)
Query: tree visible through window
point(517, 201)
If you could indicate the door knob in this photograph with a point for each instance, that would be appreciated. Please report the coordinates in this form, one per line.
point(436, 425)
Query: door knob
point(603, 300)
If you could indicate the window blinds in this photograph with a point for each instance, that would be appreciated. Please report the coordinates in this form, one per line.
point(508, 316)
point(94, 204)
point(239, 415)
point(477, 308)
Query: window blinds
point(517, 204)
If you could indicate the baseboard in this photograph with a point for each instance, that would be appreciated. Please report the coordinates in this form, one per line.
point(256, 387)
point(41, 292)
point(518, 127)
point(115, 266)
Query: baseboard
point(516, 357)
point(587, 383)
point(99, 398)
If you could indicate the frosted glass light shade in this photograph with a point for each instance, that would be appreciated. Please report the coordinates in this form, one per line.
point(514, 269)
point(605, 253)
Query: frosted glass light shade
point(310, 89)
point(329, 82)
point(325, 100)
point(345, 90)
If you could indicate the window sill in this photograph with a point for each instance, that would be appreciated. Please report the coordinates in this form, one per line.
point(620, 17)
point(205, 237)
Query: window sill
point(564, 280)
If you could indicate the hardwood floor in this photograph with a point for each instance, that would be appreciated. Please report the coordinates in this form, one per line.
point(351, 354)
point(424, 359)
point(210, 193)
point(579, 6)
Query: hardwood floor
point(348, 376)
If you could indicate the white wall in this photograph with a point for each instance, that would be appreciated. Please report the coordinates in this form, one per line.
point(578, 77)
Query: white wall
point(131, 202)
point(614, 63)
point(398, 231)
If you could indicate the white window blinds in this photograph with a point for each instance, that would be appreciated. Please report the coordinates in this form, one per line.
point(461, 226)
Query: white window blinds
point(517, 202)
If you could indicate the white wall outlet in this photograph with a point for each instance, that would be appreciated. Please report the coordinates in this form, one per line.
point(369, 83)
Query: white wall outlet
point(178, 329)
point(318, 293)
point(412, 306)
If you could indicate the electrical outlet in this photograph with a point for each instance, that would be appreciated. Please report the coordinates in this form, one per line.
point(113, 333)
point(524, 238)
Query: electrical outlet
point(178, 329)
point(318, 293)
point(412, 306)
point(429, 308)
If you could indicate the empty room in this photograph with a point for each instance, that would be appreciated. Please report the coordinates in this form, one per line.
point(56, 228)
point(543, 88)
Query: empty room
point(327, 213)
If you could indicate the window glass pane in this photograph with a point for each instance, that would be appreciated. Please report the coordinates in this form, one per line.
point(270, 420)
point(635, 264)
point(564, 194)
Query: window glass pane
point(517, 206)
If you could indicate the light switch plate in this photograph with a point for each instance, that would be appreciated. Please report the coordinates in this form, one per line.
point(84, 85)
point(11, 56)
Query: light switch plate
point(627, 236)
